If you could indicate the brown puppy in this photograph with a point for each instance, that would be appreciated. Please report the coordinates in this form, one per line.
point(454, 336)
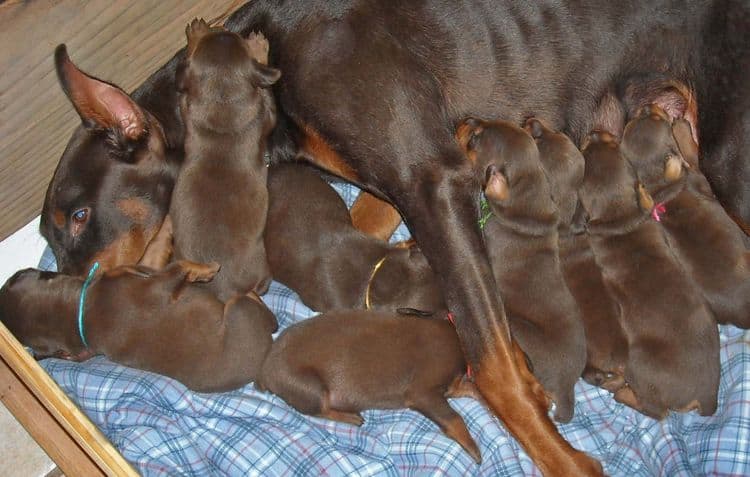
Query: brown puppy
point(343, 362)
point(521, 240)
point(707, 242)
point(673, 342)
point(314, 249)
point(153, 320)
point(220, 200)
point(606, 347)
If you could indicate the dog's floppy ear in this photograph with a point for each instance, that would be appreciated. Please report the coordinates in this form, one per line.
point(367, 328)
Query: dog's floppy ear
point(97, 102)
point(194, 31)
point(673, 167)
point(644, 198)
point(496, 185)
point(683, 135)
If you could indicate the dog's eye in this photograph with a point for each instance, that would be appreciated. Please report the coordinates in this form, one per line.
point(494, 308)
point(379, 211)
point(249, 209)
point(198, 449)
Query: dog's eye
point(78, 220)
point(80, 215)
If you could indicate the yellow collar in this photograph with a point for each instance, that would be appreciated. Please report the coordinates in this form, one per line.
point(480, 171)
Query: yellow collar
point(369, 282)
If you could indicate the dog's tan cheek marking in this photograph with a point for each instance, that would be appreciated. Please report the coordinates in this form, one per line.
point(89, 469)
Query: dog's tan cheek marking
point(58, 217)
point(127, 249)
point(135, 209)
point(320, 153)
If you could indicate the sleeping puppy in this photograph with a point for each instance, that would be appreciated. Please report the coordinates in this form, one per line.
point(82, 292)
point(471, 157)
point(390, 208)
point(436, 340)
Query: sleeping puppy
point(342, 362)
point(521, 240)
point(159, 321)
point(606, 347)
point(314, 249)
point(707, 242)
point(673, 341)
point(219, 202)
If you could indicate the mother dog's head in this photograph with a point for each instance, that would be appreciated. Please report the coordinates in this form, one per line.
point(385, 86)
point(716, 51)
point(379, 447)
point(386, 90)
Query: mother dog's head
point(112, 186)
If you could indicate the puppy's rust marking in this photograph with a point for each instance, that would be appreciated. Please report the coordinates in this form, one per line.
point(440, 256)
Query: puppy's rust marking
point(317, 150)
point(374, 217)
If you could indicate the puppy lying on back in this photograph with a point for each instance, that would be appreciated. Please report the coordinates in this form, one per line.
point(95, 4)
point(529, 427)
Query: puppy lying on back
point(219, 202)
point(606, 347)
point(521, 240)
point(156, 321)
point(708, 243)
point(673, 341)
point(343, 362)
point(314, 250)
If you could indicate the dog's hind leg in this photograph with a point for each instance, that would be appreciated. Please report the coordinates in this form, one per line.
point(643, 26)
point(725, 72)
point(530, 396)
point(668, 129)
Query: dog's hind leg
point(374, 216)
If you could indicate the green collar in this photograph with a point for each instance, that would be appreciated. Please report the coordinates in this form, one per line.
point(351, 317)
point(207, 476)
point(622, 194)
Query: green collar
point(82, 301)
point(484, 212)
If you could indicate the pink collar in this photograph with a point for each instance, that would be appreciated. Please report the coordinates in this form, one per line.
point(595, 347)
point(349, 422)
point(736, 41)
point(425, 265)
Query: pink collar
point(658, 210)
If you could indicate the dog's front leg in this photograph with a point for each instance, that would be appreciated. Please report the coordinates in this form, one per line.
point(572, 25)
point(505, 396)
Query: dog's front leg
point(441, 210)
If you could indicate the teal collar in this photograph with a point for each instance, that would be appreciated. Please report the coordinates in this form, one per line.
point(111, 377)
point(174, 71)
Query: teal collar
point(82, 300)
point(484, 212)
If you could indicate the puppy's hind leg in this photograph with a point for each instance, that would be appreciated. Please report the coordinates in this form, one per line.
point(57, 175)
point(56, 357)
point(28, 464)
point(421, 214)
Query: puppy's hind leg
point(437, 409)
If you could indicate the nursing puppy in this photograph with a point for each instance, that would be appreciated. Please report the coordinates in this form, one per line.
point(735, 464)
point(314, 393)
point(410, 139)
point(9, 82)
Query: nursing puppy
point(340, 363)
point(707, 242)
point(159, 321)
point(521, 240)
point(606, 347)
point(673, 342)
point(219, 202)
point(314, 249)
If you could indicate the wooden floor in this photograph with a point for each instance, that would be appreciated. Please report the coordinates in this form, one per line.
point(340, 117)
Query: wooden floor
point(120, 41)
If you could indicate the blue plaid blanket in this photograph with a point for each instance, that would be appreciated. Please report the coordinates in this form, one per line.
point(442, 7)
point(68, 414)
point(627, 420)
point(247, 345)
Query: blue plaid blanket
point(163, 428)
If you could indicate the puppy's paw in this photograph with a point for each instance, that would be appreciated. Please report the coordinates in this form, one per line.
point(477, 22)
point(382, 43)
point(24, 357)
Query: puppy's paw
point(200, 272)
point(258, 46)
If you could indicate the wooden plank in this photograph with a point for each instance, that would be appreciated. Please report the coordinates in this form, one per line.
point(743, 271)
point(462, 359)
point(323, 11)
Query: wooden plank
point(85, 434)
point(40, 424)
point(119, 41)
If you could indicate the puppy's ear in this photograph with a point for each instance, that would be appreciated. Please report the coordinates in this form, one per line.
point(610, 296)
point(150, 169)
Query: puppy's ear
point(467, 133)
point(673, 167)
point(99, 103)
point(194, 31)
point(683, 135)
point(534, 127)
point(263, 76)
point(644, 198)
point(496, 185)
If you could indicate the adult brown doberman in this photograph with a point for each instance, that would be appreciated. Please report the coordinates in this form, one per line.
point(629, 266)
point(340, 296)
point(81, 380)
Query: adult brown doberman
point(373, 90)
